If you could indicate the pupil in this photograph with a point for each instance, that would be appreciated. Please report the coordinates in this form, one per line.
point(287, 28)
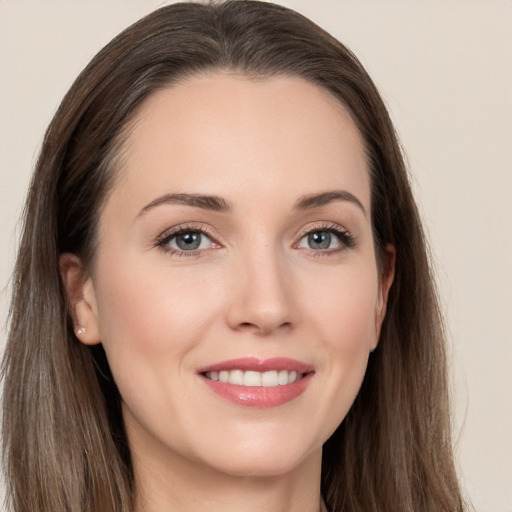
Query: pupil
point(189, 241)
point(319, 240)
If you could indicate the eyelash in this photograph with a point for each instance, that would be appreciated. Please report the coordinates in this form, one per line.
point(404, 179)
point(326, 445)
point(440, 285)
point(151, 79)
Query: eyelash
point(345, 238)
point(164, 239)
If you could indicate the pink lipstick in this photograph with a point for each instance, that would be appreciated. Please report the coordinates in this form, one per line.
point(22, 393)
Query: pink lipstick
point(258, 382)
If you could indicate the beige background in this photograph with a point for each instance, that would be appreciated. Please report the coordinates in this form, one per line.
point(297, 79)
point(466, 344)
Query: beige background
point(444, 68)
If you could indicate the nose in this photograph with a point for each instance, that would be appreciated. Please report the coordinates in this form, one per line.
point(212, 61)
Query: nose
point(262, 299)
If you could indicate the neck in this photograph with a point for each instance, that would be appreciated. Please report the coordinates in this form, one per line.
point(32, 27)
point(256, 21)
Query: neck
point(195, 487)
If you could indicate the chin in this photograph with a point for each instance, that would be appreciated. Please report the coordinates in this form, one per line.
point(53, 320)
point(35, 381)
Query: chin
point(257, 467)
point(262, 459)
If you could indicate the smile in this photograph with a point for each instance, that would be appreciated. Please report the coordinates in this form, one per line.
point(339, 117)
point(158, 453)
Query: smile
point(256, 382)
point(252, 378)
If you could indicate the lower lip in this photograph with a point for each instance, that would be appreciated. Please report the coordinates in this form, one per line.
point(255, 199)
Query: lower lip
point(259, 396)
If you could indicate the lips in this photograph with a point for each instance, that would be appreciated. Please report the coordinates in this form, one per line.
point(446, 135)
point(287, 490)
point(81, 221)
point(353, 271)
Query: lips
point(256, 382)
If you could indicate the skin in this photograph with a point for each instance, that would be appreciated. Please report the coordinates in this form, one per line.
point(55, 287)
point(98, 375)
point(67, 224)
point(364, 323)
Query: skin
point(255, 287)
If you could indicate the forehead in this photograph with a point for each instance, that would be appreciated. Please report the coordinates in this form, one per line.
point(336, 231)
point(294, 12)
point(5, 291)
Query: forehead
point(223, 133)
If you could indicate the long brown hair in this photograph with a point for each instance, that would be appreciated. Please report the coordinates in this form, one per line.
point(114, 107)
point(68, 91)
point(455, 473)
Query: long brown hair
point(65, 448)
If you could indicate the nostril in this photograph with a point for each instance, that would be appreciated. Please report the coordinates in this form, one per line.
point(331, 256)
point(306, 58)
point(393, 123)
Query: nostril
point(263, 328)
point(248, 326)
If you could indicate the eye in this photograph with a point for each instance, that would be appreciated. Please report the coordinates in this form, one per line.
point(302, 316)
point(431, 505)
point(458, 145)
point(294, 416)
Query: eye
point(320, 240)
point(189, 241)
point(326, 239)
point(184, 240)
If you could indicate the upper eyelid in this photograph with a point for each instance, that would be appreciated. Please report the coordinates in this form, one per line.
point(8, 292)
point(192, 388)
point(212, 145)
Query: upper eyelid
point(184, 228)
point(326, 226)
point(345, 237)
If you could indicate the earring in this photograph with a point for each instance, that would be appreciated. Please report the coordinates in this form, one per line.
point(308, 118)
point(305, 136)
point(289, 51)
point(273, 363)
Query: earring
point(81, 330)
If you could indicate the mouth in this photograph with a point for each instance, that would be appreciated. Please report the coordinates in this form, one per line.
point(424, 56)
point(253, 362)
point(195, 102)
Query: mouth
point(250, 378)
point(256, 382)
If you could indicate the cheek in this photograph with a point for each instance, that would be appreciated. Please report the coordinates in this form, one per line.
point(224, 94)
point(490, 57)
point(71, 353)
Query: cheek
point(344, 323)
point(145, 315)
point(345, 309)
point(152, 324)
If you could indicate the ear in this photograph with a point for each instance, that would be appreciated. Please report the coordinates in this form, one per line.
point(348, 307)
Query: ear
point(81, 299)
point(387, 274)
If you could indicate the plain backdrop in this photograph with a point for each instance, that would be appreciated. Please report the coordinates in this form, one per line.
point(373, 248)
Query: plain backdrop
point(444, 69)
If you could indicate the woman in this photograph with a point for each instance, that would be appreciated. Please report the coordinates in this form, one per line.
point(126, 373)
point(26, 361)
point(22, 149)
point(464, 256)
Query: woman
point(222, 297)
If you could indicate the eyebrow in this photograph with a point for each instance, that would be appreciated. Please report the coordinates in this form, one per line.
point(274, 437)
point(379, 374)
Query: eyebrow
point(315, 200)
point(219, 204)
point(213, 203)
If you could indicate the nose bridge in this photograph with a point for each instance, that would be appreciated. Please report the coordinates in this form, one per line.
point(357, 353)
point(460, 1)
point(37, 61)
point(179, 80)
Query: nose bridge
point(263, 300)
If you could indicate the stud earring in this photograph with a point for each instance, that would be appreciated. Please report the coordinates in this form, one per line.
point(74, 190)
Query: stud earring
point(81, 330)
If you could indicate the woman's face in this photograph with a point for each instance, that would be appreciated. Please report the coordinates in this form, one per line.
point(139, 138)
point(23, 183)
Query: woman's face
point(235, 288)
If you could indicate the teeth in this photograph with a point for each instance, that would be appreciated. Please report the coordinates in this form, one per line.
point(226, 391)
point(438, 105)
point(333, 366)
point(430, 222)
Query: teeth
point(251, 378)
point(292, 377)
point(269, 379)
point(236, 377)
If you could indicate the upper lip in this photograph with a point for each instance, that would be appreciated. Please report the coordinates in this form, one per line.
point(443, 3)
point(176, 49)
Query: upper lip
point(258, 365)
